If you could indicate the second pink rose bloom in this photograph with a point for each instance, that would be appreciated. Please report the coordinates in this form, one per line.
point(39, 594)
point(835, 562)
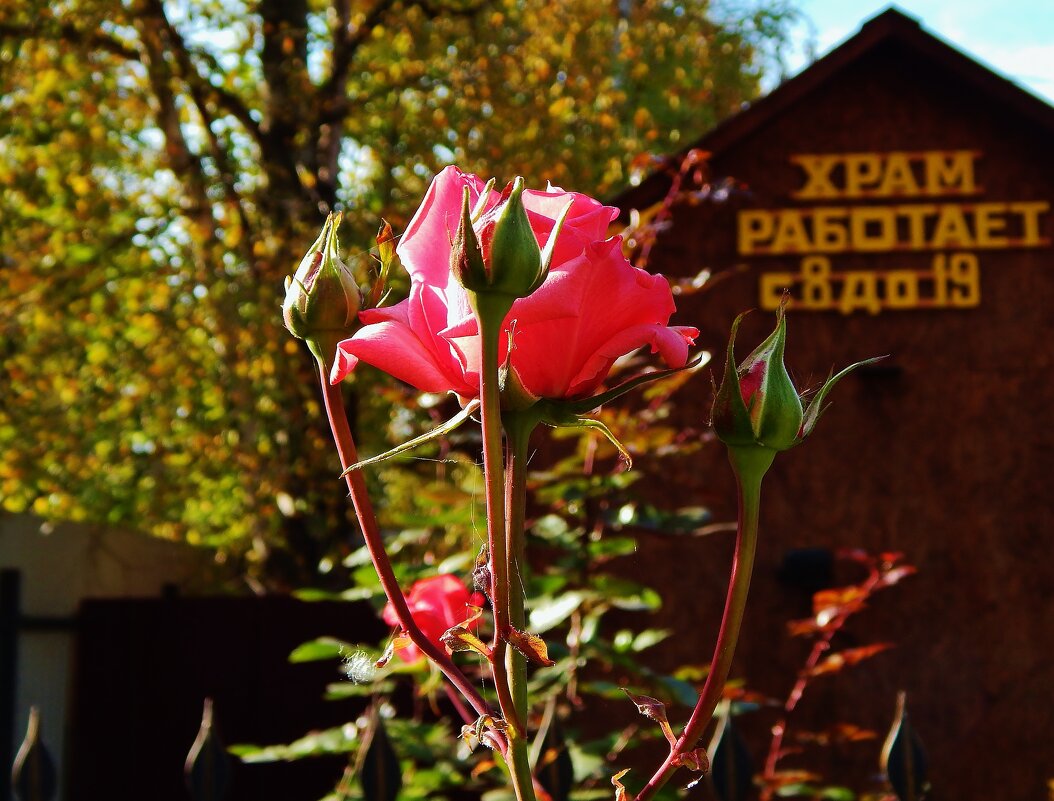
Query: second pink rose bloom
point(436, 604)
point(593, 307)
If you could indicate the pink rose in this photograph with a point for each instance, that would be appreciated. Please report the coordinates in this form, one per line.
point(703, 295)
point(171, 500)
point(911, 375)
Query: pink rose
point(436, 604)
point(593, 307)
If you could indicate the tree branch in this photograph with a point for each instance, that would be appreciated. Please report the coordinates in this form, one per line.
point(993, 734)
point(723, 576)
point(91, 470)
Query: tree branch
point(345, 44)
point(184, 162)
point(200, 86)
point(67, 32)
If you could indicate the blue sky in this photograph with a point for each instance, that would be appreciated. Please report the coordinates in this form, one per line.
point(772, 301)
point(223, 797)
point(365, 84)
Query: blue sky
point(1013, 37)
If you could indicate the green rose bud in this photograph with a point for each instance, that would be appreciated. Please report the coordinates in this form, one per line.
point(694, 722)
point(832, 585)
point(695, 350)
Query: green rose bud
point(498, 254)
point(757, 405)
point(322, 300)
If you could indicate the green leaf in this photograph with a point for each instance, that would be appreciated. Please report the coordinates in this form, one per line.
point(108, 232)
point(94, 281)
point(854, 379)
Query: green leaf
point(731, 765)
point(456, 563)
point(322, 648)
point(796, 790)
point(315, 594)
point(681, 691)
point(625, 594)
point(338, 691)
point(554, 767)
point(339, 740)
point(548, 613)
point(837, 794)
point(903, 758)
point(649, 637)
point(550, 527)
point(608, 547)
point(503, 794)
point(653, 709)
point(459, 638)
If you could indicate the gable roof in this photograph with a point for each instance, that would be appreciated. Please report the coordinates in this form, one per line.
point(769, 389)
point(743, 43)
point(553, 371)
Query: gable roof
point(891, 25)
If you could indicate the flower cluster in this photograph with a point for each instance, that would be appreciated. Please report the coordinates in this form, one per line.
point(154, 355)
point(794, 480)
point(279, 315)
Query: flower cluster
point(592, 308)
point(520, 304)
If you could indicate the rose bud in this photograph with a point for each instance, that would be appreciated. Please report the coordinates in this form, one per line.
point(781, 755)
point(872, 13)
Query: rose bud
point(322, 300)
point(498, 253)
point(757, 405)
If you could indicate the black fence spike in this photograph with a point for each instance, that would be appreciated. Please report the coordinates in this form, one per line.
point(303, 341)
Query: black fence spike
point(33, 776)
point(380, 772)
point(903, 758)
point(208, 766)
point(554, 770)
point(731, 766)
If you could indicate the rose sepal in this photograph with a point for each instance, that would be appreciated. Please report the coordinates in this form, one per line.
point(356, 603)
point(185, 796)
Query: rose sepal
point(815, 408)
point(560, 417)
point(496, 252)
point(594, 402)
point(521, 409)
point(439, 431)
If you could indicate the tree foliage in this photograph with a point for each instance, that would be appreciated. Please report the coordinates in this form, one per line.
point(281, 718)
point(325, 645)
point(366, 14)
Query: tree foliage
point(163, 164)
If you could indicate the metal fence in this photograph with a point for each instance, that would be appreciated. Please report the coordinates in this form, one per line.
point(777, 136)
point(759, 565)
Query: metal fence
point(207, 769)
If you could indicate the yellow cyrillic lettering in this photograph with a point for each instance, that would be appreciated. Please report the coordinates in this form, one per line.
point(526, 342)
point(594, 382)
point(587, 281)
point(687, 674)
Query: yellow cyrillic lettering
point(755, 227)
point(1030, 221)
point(916, 216)
point(861, 170)
point(898, 178)
point(816, 290)
point(902, 289)
point(863, 238)
point(818, 176)
point(860, 291)
point(963, 279)
point(951, 230)
point(771, 290)
point(791, 236)
point(829, 229)
point(950, 172)
point(988, 226)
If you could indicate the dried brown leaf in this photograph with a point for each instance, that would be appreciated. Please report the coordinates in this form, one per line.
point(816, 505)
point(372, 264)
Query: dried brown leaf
point(621, 794)
point(653, 709)
point(400, 640)
point(458, 638)
point(530, 645)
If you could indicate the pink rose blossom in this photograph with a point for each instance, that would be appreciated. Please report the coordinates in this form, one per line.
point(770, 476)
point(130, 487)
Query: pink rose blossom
point(436, 604)
point(593, 307)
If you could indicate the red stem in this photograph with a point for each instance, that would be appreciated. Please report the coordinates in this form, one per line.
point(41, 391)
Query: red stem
point(779, 729)
point(748, 480)
point(338, 423)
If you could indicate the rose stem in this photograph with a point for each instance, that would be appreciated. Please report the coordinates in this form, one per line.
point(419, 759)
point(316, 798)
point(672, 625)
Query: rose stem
point(490, 311)
point(749, 465)
point(463, 711)
point(338, 423)
point(518, 430)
